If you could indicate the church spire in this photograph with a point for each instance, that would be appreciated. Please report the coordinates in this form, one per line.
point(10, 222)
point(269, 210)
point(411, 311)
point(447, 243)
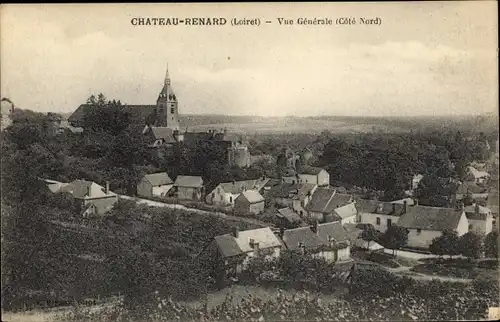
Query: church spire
point(167, 77)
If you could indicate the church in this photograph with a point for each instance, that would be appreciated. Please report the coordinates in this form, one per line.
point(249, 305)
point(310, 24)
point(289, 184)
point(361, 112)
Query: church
point(162, 126)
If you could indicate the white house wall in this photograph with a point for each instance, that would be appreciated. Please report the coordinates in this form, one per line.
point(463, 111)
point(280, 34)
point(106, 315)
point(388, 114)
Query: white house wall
point(162, 190)
point(369, 218)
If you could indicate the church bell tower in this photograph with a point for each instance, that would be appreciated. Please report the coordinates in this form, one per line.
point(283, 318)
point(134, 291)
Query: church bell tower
point(167, 111)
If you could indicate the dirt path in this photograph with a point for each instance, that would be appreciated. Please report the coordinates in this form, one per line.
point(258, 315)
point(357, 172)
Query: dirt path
point(406, 271)
point(194, 210)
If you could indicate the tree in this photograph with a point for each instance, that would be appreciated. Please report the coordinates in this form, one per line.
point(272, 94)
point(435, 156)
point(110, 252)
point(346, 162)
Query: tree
point(395, 237)
point(446, 244)
point(471, 245)
point(370, 234)
point(491, 244)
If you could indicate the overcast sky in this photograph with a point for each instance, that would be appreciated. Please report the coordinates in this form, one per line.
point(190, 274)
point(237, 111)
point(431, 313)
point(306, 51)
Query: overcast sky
point(432, 58)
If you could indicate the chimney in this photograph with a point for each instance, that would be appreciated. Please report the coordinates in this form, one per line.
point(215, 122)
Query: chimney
point(393, 207)
point(281, 232)
point(331, 240)
point(476, 208)
point(256, 248)
point(107, 187)
point(302, 248)
point(236, 233)
point(88, 189)
point(405, 203)
point(314, 227)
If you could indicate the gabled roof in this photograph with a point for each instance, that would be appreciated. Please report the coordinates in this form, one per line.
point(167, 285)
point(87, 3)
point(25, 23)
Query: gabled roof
point(231, 246)
point(334, 230)
point(346, 211)
point(430, 218)
point(85, 189)
point(352, 231)
point(326, 200)
point(311, 170)
point(297, 191)
point(158, 179)
point(252, 196)
point(139, 113)
point(380, 207)
point(237, 187)
point(293, 237)
point(289, 214)
point(189, 181)
point(163, 133)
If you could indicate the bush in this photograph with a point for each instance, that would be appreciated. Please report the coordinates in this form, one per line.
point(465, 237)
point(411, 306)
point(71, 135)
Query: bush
point(383, 259)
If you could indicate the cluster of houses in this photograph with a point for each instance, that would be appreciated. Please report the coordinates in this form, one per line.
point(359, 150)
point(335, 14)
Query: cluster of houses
point(314, 217)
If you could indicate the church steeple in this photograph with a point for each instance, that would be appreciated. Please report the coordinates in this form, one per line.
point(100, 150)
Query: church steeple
point(167, 78)
point(167, 113)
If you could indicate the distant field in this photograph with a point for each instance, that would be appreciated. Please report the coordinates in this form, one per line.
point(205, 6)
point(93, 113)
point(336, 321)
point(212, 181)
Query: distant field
point(305, 125)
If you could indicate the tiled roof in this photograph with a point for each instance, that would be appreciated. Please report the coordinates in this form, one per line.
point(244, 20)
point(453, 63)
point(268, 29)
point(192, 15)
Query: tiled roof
point(139, 113)
point(297, 191)
point(237, 187)
point(311, 170)
point(158, 179)
point(326, 200)
point(430, 218)
point(352, 231)
point(189, 181)
point(253, 196)
point(231, 246)
point(163, 133)
point(311, 240)
point(288, 214)
point(334, 230)
point(380, 207)
point(292, 238)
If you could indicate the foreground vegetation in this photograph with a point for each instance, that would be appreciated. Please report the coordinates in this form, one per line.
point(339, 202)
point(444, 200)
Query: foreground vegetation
point(375, 295)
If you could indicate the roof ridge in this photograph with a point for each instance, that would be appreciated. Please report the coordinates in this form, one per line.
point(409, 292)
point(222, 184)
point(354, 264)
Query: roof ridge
point(329, 200)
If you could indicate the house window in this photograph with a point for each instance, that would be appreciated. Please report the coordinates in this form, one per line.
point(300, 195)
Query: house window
point(419, 231)
point(470, 226)
point(230, 199)
point(378, 221)
point(389, 222)
point(172, 110)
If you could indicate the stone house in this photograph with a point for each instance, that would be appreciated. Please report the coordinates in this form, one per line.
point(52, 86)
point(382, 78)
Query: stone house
point(92, 198)
point(249, 201)
point(426, 223)
point(154, 185)
point(234, 251)
point(189, 187)
point(327, 205)
point(380, 214)
point(295, 196)
point(480, 219)
point(226, 193)
point(329, 241)
point(314, 175)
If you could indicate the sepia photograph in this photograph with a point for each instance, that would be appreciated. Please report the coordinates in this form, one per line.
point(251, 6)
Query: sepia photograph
point(250, 161)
